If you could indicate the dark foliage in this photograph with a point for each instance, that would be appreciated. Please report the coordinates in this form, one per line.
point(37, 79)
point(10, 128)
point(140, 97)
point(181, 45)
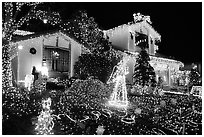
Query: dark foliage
point(144, 74)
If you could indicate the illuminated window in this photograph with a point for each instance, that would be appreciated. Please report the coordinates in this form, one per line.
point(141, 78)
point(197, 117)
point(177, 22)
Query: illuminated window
point(57, 59)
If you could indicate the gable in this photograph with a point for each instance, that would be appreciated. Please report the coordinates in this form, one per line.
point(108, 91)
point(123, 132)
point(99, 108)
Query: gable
point(55, 38)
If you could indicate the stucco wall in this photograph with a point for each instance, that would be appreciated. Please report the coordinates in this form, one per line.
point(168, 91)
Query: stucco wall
point(75, 53)
point(26, 60)
point(121, 38)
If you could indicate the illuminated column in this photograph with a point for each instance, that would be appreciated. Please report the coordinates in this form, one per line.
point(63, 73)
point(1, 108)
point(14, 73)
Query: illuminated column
point(134, 42)
point(169, 69)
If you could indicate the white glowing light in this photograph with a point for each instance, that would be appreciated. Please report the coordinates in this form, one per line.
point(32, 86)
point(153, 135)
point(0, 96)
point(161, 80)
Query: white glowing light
point(22, 32)
point(45, 21)
point(28, 81)
point(20, 47)
point(44, 71)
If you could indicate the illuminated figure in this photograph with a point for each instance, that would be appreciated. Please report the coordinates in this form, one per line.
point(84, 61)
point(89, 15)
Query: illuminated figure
point(119, 96)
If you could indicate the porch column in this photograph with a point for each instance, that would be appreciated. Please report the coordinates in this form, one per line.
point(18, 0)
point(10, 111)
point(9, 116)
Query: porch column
point(169, 69)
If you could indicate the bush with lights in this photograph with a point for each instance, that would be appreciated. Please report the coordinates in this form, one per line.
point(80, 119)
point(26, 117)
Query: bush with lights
point(93, 65)
point(91, 92)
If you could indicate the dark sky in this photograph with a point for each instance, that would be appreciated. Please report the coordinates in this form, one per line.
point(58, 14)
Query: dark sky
point(180, 24)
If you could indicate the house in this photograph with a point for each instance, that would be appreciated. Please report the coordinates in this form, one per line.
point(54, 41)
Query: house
point(127, 37)
point(56, 51)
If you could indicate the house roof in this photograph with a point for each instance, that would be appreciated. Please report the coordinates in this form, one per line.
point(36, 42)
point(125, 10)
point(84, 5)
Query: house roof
point(36, 35)
point(164, 59)
point(143, 24)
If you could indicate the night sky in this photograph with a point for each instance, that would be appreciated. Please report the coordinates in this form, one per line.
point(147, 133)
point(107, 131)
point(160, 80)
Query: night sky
point(180, 24)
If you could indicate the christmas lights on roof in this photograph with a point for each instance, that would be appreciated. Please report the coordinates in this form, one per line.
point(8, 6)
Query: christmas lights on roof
point(22, 32)
point(139, 21)
point(165, 60)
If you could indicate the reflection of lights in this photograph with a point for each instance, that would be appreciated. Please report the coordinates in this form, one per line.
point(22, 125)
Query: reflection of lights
point(20, 47)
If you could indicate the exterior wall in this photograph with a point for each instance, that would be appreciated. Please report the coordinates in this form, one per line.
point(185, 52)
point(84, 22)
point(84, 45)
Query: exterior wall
point(121, 39)
point(22, 66)
point(151, 43)
point(130, 65)
point(75, 53)
point(26, 60)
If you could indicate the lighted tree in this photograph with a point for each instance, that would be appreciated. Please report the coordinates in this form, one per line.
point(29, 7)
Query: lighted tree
point(13, 18)
point(194, 77)
point(100, 61)
point(87, 32)
point(144, 74)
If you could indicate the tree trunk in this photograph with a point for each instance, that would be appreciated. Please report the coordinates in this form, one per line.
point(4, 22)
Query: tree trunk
point(6, 66)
